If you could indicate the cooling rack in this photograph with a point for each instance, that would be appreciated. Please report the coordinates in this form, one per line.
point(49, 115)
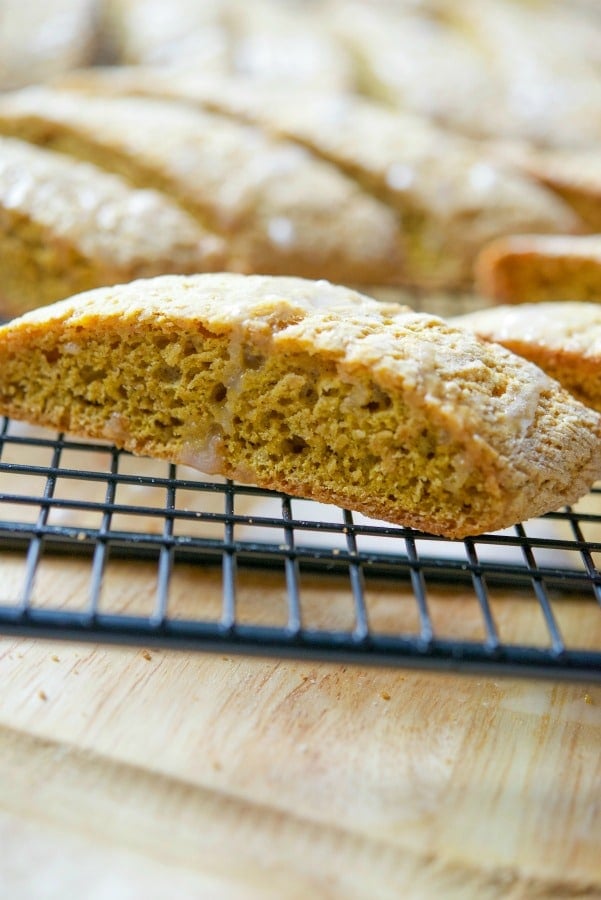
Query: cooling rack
point(164, 557)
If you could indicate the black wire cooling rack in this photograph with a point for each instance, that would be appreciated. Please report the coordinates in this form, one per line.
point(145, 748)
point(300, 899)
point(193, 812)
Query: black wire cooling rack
point(161, 557)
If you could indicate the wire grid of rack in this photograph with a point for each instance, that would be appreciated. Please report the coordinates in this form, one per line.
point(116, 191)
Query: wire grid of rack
point(188, 562)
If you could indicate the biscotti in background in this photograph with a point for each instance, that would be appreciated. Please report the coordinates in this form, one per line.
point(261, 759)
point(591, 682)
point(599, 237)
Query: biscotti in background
point(572, 175)
point(280, 209)
point(489, 69)
point(266, 41)
point(310, 389)
point(373, 144)
point(39, 39)
point(451, 195)
point(67, 226)
point(531, 268)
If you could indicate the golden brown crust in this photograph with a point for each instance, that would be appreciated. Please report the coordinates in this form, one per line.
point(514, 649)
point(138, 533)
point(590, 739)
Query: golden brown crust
point(66, 226)
point(281, 210)
point(308, 388)
point(563, 339)
point(530, 268)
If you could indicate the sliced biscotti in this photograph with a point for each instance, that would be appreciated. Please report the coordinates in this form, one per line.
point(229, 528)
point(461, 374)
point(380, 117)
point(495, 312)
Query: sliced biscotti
point(574, 175)
point(531, 268)
point(148, 31)
point(487, 68)
point(564, 339)
point(307, 388)
point(66, 226)
point(450, 197)
point(281, 210)
point(265, 40)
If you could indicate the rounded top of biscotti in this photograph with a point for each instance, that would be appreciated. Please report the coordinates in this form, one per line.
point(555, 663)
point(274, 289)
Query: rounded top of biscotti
point(220, 300)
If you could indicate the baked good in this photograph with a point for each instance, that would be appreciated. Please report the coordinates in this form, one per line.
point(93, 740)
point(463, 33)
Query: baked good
point(529, 268)
point(148, 31)
point(66, 226)
point(563, 338)
point(266, 40)
point(307, 388)
point(486, 68)
point(450, 195)
point(38, 40)
point(281, 210)
point(573, 175)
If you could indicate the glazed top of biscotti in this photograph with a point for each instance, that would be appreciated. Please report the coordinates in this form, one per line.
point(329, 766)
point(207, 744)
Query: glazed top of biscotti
point(97, 212)
point(468, 385)
point(565, 327)
point(259, 191)
point(404, 155)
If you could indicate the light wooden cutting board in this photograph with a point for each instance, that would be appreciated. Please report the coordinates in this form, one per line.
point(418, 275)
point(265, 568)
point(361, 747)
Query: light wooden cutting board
point(128, 773)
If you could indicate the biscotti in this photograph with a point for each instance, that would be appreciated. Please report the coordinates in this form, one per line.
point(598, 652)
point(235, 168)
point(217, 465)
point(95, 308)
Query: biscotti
point(306, 388)
point(281, 210)
point(38, 41)
point(66, 226)
point(573, 175)
point(564, 339)
point(266, 40)
point(525, 71)
point(450, 197)
point(531, 268)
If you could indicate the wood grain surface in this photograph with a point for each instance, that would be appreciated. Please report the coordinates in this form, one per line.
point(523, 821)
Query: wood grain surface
point(129, 773)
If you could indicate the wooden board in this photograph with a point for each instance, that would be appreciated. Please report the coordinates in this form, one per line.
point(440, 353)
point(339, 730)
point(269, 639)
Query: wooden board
point(126, 773)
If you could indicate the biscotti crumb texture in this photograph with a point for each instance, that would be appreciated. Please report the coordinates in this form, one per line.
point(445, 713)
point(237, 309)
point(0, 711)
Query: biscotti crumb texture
point(563, 339)
point(534, 268)
point(307, 388)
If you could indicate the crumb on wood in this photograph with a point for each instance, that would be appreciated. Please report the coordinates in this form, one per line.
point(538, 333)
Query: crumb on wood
point(146, 654)
point(385, 695)
point(55, 658)
point(588, 699)
point(42, 695)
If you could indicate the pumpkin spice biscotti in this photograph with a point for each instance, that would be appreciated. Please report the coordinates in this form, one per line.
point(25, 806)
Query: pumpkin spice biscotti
point(563, 339)
point(66, 226)
point(572, 175)
point(39, 40)
point(307, 388)
point(532, 268)
point(450, 195)
point(281, 210)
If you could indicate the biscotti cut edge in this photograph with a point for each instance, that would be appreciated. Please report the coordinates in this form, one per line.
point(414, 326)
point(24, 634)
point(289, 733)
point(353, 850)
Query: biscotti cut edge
point(536, 268)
